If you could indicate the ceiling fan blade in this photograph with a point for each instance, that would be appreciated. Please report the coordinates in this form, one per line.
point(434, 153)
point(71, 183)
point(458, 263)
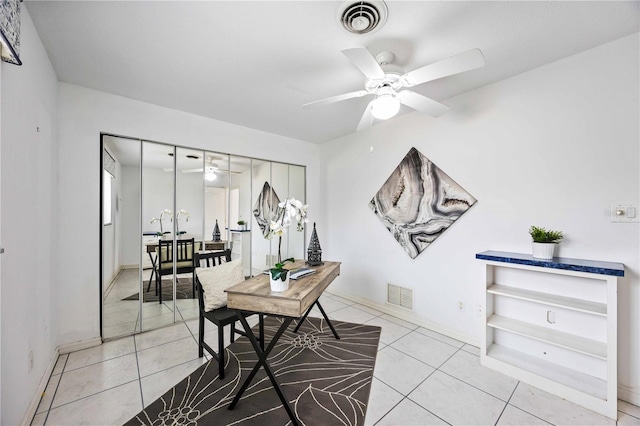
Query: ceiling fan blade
point(336, 98)
point(422, 103)
point(367, 119)
point(200, 170)
point(365, 62)
point(466, 61)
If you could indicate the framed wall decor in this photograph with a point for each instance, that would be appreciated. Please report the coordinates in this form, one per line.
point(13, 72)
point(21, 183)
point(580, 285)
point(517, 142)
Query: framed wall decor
point(10, 31)
point(419, 202)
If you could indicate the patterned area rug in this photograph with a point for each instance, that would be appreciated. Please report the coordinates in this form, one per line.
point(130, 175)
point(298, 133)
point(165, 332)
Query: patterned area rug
point(326, 381)
point(184, 290)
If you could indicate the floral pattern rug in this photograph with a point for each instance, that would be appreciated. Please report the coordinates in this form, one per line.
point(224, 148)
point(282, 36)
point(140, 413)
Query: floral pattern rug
point(326, 381)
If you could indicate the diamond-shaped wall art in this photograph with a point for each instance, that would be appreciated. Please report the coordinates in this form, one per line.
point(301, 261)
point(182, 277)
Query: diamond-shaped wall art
point(419, 202)
point(266, 208)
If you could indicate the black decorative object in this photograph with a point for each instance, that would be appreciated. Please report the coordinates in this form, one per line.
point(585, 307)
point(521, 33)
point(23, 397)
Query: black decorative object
point(216, 232)
point(314, 252)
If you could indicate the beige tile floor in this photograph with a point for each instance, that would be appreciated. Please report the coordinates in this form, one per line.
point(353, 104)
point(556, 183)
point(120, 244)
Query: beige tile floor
point(121, 316)
point(421, 378)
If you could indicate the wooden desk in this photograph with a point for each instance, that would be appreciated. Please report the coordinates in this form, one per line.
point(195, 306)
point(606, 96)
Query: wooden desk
point(255, 296)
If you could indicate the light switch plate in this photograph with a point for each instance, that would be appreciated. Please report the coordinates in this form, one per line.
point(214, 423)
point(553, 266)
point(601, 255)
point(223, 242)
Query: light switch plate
point(624, 213)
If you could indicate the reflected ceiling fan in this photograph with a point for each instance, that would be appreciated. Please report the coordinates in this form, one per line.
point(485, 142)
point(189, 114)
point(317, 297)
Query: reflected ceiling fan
point(387, 81)
point(211, 169)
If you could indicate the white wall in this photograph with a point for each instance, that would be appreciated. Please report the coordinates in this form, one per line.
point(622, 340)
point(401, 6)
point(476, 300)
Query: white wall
point(29, 223)
point(83, 114)
point(552, 147)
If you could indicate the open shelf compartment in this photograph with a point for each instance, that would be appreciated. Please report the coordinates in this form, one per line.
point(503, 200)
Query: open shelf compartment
point(557, 338)
point(571, 303)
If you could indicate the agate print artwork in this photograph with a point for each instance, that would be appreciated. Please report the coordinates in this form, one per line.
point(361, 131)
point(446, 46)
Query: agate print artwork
point(419, 202)
point(266, 208)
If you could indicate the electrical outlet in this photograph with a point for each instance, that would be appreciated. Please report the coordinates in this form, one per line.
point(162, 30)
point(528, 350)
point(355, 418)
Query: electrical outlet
point(479, 309)
point(461, 306)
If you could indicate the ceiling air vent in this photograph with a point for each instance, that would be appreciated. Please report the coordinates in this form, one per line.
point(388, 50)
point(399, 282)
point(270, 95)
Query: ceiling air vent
point(362, 17)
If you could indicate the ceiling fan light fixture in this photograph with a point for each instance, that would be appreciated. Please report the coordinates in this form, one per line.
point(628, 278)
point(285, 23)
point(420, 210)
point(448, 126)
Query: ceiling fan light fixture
point(210, 174)
point(385, 106)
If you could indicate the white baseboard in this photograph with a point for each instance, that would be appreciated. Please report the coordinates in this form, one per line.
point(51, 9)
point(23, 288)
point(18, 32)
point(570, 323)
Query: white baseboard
point(131, 266)
point(78, 346)
point(628, 395)
point(411, 317)
point(44, 381)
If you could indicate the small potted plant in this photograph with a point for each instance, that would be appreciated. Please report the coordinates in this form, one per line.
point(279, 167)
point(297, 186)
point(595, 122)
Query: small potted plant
point(544, 242)
point(280, 276)
point(242, 225)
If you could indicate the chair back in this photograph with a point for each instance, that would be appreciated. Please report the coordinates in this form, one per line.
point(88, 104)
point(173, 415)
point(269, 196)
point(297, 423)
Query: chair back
point(213, 258)
point(209, 260)
point(184, 254)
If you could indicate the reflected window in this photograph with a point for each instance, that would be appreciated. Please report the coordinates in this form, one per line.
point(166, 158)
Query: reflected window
point(106, 198)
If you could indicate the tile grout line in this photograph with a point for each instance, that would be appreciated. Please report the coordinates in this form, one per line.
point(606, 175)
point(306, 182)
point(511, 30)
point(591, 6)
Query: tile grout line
point(135, 347)
point(523, 410)
point(427, 378)
point(419, 384)
point(411, 356)
point(55, 391)
point(507, 403)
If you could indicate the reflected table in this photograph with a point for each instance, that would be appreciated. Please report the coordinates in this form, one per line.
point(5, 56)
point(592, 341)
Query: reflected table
point(255, 296)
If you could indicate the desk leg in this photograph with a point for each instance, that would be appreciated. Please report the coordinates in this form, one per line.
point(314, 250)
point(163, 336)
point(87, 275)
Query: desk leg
point(262, 361)
point(261, 336)
point(326, 318)
point(153, 270)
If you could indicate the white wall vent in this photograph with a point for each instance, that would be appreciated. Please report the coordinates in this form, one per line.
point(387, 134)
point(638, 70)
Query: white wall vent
point(271, 259)
point(400, 296)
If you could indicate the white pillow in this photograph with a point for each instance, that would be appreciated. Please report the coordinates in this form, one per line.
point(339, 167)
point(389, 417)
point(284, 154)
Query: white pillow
point(215, 280)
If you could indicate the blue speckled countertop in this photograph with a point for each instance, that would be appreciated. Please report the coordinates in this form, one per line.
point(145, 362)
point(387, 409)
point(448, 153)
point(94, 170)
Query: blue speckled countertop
point(581, 265)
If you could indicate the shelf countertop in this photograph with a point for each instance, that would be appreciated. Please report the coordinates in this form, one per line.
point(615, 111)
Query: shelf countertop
point(580, 265)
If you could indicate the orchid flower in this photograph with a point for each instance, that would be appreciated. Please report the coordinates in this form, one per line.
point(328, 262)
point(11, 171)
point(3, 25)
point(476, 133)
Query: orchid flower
point(291, 208)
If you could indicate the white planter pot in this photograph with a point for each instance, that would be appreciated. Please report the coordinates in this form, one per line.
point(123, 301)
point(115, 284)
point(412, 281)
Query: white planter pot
point(279, 285)
point(543, 250)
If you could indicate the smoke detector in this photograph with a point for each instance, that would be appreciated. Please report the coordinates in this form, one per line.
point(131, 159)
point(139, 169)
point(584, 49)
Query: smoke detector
point(362, 17)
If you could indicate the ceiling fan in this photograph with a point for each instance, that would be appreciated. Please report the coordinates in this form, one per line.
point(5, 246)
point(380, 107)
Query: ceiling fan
point(211, 169)
point(386, 81)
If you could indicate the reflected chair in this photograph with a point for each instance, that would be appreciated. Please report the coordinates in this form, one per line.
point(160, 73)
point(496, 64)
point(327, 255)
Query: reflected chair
point(221, 316)
point(185, 262)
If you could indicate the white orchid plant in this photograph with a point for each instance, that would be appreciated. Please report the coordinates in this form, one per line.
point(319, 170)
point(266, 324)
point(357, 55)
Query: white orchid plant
point(159, 220)
point(288, 210)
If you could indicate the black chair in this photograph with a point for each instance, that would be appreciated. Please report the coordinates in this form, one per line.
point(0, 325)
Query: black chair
point(185, 262)
point(220, 317)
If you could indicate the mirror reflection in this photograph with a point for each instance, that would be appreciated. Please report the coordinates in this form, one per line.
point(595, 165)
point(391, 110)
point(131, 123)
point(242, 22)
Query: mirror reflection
point(158, 212)
point(121, 246)
point(162, 204)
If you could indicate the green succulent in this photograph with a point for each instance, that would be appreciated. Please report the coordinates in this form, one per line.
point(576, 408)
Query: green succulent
point(541, 235)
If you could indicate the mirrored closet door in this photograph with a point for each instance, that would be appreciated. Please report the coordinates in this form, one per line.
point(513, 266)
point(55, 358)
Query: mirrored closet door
point(162, 203)
point(122, 258)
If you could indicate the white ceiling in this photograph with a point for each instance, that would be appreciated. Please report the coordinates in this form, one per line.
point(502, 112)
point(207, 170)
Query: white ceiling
point(255, 63)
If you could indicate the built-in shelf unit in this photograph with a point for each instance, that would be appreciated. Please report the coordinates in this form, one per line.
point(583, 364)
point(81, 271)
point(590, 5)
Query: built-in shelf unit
point(553, 324)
